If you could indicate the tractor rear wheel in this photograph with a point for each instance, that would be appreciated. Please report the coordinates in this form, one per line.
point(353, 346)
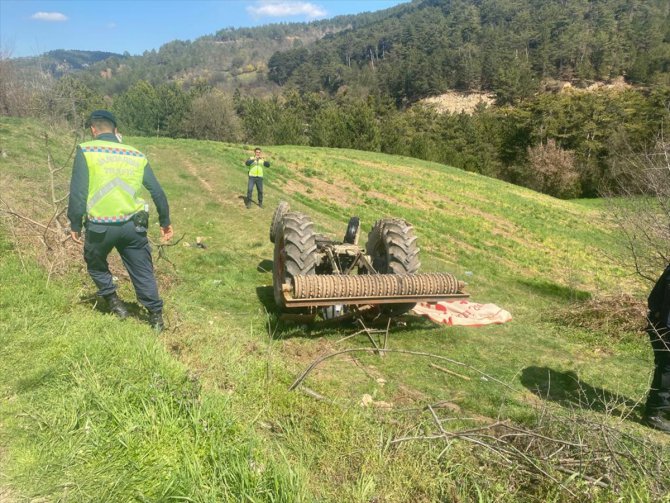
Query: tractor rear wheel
point(393, 250)
point(281, 209)
point(295, 251)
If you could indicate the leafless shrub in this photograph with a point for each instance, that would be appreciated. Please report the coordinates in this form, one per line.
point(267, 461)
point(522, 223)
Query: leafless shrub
point(563, 449)
point(66, 99)
point(15, 99)
point(613, 315)
point(639, 204)
point(43, 231)
point(578, 442)
point(552, 171)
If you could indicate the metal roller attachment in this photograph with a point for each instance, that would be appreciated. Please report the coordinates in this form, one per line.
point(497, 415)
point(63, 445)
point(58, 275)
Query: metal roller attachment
point(324, 290)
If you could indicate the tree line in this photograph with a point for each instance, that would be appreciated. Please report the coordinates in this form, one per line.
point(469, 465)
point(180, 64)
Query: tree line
point(564, 144)
point(418, 49)
point(504, 46)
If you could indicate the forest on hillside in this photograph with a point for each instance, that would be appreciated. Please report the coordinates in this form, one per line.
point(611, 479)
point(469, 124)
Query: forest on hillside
point(356, 82)
point(227, 59)
point(504, 46)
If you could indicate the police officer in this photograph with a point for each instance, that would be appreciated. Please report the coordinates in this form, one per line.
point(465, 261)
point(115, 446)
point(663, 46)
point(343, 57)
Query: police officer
point(107, 177)
point(255, 165)
point(657, 409)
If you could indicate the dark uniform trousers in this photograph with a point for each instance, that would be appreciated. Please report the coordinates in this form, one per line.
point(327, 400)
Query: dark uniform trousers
point(658, 400)
point(258, 182)
point(135, 251)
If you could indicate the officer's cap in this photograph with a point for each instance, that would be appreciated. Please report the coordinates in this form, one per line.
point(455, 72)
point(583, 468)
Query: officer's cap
point(102, 114)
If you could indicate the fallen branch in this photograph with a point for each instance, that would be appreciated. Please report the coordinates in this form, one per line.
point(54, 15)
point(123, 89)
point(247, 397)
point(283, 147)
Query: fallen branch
point(319, 360)
point(310, 392)
point(10, 211)
point(162, 254)
point(450, 372)
point(590, 480)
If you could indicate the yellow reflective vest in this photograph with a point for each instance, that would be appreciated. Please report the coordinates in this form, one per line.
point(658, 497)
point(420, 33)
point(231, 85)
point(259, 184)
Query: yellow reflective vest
point(115, 174)
point(256, 167)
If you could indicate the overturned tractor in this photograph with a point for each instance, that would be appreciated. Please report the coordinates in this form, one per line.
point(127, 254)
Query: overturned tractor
point(314, 274)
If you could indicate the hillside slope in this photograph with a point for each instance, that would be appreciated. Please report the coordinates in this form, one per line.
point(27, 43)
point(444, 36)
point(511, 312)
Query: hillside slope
point(529, 253)
point(231, 58)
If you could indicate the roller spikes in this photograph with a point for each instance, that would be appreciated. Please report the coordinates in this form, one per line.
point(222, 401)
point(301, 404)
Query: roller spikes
point(368, 287)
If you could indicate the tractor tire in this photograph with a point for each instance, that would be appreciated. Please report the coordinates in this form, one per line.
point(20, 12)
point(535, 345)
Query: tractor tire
point(294, 253)
point(393, 250)
point(281, 209)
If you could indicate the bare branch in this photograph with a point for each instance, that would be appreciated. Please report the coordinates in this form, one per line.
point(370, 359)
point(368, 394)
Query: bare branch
point(322, 358)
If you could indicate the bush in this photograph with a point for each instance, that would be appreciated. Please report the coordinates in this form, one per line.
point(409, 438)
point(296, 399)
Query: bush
point(15, 98)
point(212, 117)
point(552, 171)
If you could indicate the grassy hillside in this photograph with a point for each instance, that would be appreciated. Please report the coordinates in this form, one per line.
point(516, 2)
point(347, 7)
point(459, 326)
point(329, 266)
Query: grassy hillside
point(92, 405)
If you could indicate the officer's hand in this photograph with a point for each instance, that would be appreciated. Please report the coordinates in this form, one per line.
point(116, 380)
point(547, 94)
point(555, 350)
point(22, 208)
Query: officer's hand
point(166, 233)
point(76, 237)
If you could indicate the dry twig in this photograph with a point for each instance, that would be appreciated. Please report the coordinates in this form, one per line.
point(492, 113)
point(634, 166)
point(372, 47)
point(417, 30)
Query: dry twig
point(450, 372)
point(322, 358)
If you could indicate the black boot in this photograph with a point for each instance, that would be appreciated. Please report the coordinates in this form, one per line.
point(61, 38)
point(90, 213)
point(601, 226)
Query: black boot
point(156, 321)
point(657, 421)
point(116, 305)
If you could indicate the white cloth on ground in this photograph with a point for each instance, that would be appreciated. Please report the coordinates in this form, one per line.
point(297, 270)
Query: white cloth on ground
point(462, 313)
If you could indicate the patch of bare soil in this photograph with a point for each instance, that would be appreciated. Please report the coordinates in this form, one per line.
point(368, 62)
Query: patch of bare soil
point(306, 352)
point(319, 189)
point(564, 86)
point(394, 200)
point(6, 496)
point(387, 167)
point(345, 190)
point(212, 192)
point(456, 102)
point(405, 396)
point(342, 191)
point(193, 171)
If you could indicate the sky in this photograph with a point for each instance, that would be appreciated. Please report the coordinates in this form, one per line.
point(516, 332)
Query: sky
point(32, 27)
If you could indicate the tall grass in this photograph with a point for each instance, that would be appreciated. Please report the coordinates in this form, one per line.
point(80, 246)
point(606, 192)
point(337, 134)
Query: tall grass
point(95, 409)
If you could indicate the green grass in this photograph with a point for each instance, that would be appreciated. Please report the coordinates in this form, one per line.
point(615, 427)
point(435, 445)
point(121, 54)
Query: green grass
point(96, 406)
point(97, 410)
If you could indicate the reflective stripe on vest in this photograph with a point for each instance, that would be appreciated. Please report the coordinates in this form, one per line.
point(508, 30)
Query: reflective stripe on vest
point(115, 174)
point(256, 169)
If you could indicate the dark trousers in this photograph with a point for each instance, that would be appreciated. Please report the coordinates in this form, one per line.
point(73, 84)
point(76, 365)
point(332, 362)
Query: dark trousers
point(135, 252)
point(258, 182)
point(658, 400)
